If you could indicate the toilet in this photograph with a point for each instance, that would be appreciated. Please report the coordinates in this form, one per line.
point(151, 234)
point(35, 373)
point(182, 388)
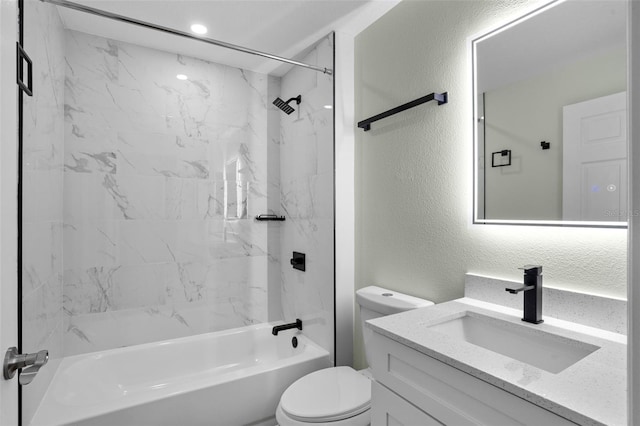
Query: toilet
point(341, 396)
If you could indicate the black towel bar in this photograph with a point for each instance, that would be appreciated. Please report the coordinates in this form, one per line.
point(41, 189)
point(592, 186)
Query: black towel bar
point(442, 98)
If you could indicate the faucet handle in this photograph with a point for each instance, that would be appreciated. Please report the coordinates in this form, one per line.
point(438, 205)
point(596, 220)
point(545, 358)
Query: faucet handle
point(33, 364)
point(532, 269)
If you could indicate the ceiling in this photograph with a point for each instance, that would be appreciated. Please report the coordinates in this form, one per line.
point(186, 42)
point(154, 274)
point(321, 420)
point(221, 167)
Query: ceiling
point(279, 27)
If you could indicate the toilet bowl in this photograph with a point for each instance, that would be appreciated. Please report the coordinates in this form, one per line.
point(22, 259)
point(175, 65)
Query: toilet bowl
point(341, 396)
point(336, 395)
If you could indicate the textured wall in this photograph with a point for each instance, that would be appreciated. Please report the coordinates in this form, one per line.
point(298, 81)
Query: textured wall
point(162, 180)
point(413, 171)
point(306, 174)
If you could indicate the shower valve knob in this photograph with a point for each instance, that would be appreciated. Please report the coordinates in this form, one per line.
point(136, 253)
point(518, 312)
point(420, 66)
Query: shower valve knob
point(298, 261)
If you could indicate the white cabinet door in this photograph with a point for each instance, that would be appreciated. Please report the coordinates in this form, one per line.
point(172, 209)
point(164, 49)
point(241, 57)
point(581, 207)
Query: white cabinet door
point(594, 164)
point(8, 205)
point(388, 409)
point(449, 395)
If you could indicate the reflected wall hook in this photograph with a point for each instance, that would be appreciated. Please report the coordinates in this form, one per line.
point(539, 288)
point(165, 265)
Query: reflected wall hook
point(503, 153)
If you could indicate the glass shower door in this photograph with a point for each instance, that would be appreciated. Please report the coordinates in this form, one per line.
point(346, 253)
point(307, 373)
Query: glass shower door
point(143, 173)
point(42, 185)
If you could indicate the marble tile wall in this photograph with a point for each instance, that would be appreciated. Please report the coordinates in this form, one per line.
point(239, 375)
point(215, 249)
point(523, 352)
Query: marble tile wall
point(162, 179)
point(273, 201)
point(306, 196)
point(43, 148)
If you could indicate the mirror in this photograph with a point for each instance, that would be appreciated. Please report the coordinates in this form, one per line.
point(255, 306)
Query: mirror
point(550, 117)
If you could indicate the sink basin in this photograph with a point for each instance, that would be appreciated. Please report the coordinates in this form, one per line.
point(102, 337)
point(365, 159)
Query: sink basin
point(538, 348)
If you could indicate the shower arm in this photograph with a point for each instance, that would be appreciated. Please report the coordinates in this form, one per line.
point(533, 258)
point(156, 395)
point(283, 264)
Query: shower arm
point(298, 99)
point(121, 18)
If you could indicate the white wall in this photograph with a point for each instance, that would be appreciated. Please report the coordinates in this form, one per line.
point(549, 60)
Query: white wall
point(345, 124)
point(414, 170)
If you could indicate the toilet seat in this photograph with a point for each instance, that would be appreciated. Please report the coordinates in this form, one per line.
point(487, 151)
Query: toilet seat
point(327, 395)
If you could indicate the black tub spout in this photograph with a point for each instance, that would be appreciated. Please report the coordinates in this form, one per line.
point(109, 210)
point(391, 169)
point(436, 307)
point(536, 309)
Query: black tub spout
point(279, 328)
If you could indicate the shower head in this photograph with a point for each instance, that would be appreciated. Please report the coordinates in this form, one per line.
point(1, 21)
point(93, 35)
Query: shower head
point(284, 106)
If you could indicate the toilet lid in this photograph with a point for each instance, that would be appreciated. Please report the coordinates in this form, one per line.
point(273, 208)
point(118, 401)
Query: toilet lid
point(327, 395)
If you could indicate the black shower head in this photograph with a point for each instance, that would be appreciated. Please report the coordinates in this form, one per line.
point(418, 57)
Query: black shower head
point(284, 106)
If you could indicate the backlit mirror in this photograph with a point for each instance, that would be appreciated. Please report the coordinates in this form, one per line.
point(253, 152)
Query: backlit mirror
point(550, 117)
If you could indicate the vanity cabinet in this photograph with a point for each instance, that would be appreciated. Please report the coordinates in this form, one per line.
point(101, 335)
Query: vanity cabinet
point(412, 388)
point(389, 409)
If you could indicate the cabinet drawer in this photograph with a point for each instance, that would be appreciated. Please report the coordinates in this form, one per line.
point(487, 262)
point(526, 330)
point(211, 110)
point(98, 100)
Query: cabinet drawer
point(448, 394)
point(388, 409)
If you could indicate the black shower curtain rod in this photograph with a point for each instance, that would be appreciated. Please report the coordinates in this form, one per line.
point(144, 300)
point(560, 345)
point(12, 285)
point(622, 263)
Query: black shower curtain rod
point(121, 18)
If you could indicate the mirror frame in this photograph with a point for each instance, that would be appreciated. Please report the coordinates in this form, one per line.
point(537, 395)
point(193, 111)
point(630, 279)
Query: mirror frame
point(472, 42)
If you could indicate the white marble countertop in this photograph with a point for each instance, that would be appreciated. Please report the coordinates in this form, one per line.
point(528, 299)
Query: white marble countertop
point(592, 391)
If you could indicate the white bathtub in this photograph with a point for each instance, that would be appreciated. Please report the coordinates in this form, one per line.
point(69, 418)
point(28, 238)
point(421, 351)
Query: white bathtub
point(225, 378)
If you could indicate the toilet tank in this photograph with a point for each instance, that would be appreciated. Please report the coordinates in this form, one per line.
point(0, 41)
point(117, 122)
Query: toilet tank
point(378, 302)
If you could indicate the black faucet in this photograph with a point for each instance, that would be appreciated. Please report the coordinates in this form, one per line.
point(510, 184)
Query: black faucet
point(279, 328)
point(532, 293)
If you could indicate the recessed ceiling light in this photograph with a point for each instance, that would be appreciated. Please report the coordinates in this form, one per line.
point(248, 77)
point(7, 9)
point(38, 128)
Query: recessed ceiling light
point(199, 29)
point(328, 106)
point(182, 77)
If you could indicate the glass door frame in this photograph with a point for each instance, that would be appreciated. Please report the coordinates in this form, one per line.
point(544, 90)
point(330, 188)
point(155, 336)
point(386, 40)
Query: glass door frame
point(21, 94)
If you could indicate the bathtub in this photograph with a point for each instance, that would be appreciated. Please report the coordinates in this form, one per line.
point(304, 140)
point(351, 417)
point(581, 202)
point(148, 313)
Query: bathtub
point(226, 378)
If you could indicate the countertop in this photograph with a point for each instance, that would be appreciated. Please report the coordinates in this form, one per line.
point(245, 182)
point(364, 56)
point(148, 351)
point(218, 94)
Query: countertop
point(592, 391)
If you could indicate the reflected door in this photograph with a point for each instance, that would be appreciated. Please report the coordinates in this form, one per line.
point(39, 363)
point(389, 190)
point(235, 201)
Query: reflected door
point(595, 159)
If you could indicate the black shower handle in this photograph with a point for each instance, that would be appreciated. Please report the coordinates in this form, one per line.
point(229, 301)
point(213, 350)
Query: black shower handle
point(298, 261)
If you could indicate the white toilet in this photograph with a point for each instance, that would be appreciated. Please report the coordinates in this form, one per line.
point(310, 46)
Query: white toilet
point(341, 396)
